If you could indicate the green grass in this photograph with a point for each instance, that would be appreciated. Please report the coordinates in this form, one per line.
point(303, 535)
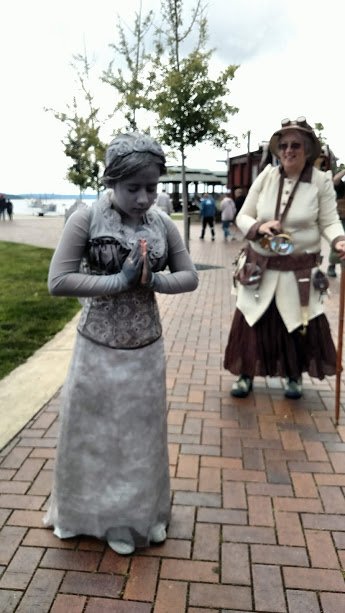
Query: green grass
point(195, 216)
point(29, 316)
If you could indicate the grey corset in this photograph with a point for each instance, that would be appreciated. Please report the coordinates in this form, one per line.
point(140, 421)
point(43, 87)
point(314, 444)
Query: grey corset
point(126, 321)
point(129, 319)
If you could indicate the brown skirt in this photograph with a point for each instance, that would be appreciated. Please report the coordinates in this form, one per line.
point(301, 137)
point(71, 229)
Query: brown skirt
point(268, 349)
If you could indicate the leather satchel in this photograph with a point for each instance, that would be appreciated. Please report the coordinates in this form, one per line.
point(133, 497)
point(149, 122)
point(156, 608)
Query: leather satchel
point(246, 273)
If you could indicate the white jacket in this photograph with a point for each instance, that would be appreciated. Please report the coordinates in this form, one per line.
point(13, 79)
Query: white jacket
point(313, 214)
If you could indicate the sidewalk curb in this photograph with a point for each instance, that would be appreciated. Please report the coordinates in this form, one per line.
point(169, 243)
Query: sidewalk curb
point(30, 386)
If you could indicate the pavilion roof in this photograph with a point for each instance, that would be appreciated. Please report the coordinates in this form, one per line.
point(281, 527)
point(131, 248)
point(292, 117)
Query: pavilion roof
point(193, 175)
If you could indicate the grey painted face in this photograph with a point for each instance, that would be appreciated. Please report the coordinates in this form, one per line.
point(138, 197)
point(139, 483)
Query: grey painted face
point(134, 195)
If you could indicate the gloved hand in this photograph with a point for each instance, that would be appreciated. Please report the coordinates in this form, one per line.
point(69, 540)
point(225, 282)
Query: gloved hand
point(132, 267)
point(147, 277)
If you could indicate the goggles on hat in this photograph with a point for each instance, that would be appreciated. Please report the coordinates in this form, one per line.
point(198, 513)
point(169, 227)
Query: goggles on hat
point(301, 122)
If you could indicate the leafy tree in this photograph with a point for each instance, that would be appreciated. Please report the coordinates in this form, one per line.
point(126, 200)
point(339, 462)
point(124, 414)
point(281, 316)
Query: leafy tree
point(131, 83)
point(83, 146)
point(191, 106)
point(82, 143)
point(318, 129)
point(335, 166)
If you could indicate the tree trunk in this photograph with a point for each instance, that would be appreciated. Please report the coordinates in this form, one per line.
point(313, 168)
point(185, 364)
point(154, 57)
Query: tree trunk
point(184, 201)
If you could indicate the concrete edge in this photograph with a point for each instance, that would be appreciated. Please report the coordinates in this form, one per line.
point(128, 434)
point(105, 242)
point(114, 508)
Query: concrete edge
point(30, 386)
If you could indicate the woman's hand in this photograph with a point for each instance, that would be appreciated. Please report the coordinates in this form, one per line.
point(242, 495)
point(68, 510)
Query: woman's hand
point(132, 266)
point(270, 227)
point(340, 248)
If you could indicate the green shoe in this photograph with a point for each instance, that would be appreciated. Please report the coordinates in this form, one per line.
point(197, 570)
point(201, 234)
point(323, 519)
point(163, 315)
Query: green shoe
point(293, 389)
point(331, 271)
point(242, 387)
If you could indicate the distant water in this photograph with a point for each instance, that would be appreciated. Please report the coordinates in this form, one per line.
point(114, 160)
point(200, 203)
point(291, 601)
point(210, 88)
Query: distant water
point(24, 207)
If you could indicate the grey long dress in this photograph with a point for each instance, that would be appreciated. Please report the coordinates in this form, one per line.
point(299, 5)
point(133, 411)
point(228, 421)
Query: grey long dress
point(111, 475)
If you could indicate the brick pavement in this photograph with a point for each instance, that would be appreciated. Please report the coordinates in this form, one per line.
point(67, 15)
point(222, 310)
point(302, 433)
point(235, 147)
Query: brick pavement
point(258, 488)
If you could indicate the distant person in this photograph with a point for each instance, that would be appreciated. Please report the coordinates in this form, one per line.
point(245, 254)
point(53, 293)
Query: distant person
point(228, 214)
point(207, 214)
point(164, 202)
point(279, 328)
point(9, 209)
point(196, 203)
point(2, 206)
point(74, 207)
point(339, 187)
point(239, 199)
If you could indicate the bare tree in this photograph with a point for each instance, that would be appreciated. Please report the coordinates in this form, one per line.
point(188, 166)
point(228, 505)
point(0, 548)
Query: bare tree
point(132, 81)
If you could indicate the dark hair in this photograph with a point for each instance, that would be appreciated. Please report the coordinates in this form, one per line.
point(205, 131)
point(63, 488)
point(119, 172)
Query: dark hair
point(122, 168)
point(129, 152)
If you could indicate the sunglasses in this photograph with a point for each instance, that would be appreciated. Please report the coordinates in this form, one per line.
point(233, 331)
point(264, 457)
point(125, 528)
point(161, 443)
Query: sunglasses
point(293, 145)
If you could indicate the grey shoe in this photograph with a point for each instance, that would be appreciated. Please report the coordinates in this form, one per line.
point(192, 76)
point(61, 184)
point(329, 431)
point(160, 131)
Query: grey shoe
point(293, 389)
point(64, 534)
point(121, 547)
point(158, 533)
point(242, 387)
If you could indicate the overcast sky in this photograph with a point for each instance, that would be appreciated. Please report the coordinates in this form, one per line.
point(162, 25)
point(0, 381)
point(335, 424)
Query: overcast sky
point(291, 56)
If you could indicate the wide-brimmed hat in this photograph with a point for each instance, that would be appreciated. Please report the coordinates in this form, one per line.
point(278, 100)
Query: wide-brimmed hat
point(301, 125)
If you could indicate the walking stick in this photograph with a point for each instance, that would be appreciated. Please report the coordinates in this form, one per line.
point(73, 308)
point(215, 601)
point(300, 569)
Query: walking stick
point(340, 342)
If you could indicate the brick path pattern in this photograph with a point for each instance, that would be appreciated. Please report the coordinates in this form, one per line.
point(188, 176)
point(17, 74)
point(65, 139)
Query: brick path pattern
point(257, 488)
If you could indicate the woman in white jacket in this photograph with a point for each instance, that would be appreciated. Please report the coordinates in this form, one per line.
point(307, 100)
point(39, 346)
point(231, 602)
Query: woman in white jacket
point(279, 328)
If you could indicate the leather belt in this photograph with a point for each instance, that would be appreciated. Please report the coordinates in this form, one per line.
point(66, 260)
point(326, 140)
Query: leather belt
point(299, 263)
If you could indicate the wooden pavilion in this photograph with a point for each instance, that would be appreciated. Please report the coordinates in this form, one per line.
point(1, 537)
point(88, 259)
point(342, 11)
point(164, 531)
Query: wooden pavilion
point(199, 180)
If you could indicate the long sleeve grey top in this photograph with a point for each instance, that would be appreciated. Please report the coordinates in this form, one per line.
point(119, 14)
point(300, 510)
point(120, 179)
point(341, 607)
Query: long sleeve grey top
point(65, 278)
